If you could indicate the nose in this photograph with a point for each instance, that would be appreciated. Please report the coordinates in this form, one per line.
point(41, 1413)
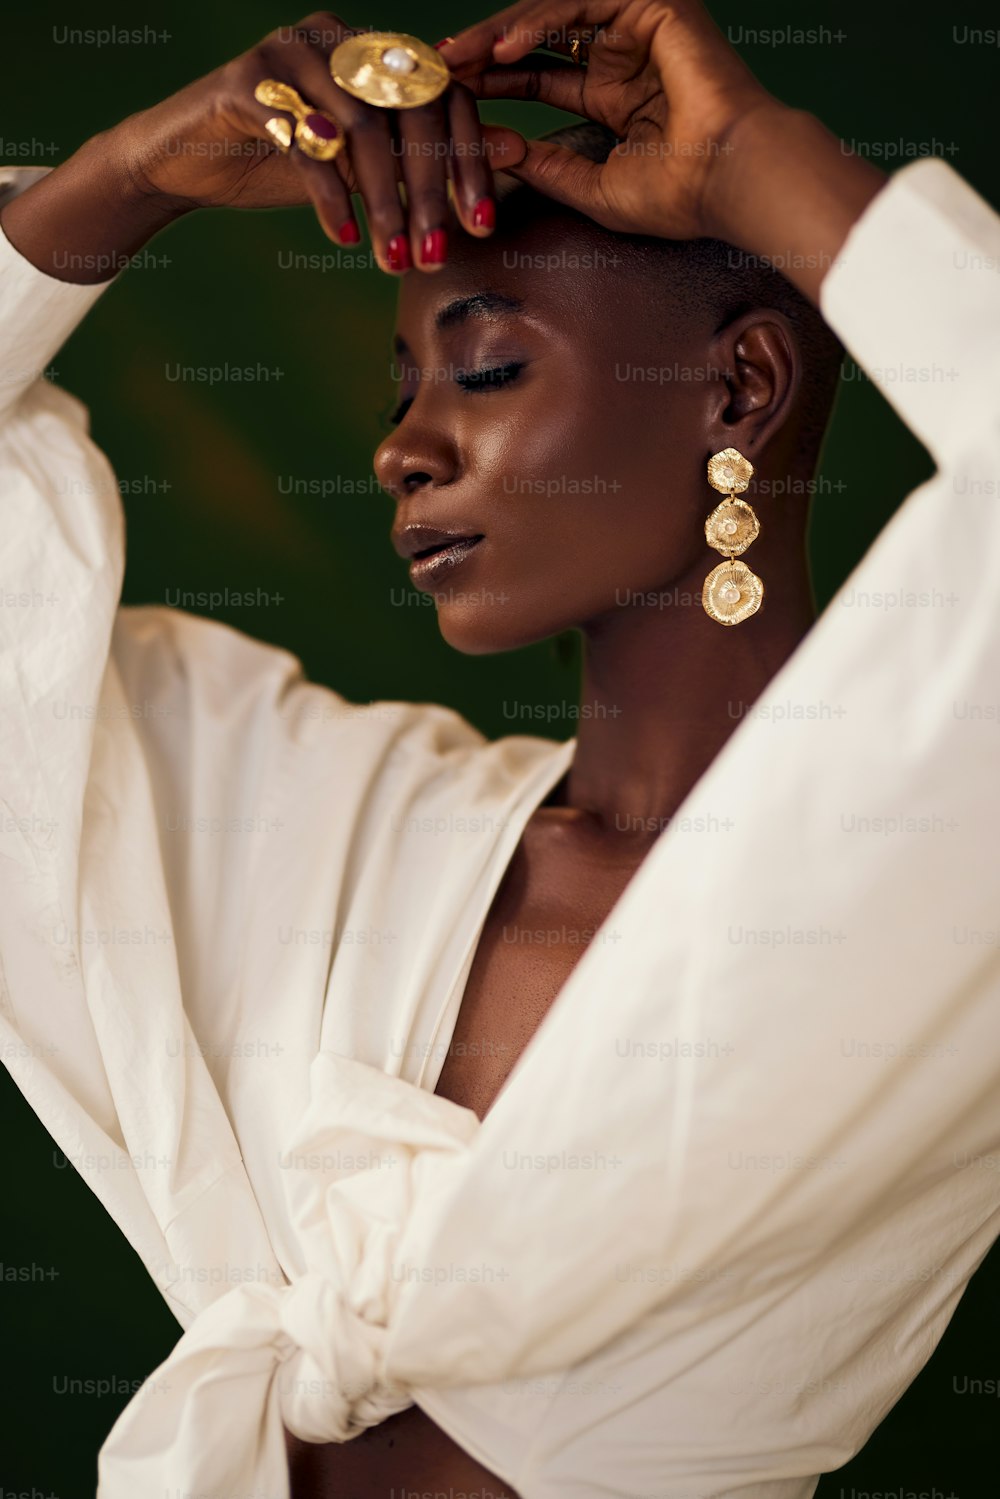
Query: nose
point(415, 456)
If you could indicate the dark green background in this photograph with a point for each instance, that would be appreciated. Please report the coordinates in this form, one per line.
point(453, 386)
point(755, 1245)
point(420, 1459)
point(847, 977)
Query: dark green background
point(221, 523)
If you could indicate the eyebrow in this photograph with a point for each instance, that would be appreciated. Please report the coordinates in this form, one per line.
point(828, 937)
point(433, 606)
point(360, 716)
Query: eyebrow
point(486, 305)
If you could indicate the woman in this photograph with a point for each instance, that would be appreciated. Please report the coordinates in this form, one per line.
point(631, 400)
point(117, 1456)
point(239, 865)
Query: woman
point(399, 1255)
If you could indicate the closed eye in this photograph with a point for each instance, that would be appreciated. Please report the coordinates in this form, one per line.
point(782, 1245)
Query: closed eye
point(492, 378)
point(472, 382)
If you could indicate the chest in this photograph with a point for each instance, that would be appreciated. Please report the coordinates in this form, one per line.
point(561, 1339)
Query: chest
point(549, 907)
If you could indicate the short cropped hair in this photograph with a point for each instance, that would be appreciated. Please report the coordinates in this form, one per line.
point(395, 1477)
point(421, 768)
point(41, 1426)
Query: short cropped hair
point(722, 282)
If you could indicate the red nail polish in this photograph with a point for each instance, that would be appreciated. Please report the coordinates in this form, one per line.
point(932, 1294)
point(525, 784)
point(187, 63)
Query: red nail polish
point(439, 45)
point(434, 248)
point(484, 215)
point(398, 253)
point(349, 233)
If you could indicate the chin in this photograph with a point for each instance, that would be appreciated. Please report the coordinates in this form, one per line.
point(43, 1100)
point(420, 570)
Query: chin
point(478, 632)
point(488, 628)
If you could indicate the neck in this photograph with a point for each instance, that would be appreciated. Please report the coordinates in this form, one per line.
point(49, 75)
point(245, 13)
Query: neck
point(664, 686)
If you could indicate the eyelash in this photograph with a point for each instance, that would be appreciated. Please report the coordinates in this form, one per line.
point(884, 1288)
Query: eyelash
point(493, 378)
point(472, 382)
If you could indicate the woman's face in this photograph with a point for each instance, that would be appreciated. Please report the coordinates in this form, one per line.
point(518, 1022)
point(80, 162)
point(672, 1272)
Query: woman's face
point(552, 429)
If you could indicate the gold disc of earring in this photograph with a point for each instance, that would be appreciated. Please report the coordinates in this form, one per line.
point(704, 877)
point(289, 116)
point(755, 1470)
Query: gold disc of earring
point(732, 593)
point(732, 527)
point(729, 472)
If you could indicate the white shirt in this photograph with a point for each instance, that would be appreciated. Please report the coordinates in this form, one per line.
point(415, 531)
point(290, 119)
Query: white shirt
point(722, 1210)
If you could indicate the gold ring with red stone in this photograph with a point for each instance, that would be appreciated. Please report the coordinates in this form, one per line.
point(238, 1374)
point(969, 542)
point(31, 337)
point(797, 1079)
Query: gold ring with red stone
point(315, 134)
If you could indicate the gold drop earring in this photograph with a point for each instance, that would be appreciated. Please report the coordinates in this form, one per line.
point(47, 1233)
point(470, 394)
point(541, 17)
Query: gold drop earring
point(732, 593)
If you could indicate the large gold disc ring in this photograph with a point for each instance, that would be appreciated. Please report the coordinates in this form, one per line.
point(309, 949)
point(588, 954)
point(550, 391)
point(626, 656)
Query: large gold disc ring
point(389, 69)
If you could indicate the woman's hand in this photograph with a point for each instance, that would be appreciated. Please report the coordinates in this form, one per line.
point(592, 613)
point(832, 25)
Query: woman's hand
point(661, 76)
point(208, 146)
point(704, 149)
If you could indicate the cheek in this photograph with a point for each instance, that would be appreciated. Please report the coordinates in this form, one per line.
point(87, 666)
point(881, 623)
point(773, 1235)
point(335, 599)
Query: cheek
point(587, 497)
point(511, 438)
point(583, 483)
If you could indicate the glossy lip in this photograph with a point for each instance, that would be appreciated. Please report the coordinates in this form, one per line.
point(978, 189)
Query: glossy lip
point(431, 551)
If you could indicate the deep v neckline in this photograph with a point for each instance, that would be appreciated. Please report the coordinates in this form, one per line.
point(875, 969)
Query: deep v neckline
point(503, 856)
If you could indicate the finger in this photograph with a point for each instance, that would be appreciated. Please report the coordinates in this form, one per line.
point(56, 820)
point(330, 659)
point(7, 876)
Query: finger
point(536, 79)
point(329, 196)
point(369, 145)
point(329, 184)
point(505, 148)
point(471, 172)
point(563, 175)
point(425, 148)
point(509, 35)
point(568, 45)
point(369, 141)
point(319, 183)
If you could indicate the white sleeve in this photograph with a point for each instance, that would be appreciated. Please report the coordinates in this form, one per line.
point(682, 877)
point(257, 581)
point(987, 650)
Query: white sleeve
point(74, 774)
point(915, 297)
point(39, 313)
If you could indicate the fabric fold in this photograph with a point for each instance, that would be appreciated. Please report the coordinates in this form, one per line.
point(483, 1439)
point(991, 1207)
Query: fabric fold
point(307, 1355)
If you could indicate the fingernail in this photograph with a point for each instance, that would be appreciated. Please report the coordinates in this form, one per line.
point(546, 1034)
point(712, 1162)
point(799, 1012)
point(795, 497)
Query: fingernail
point(484, 215)
point(349, 233)
point(439, 45)
point(398, 254)
point(434, 248)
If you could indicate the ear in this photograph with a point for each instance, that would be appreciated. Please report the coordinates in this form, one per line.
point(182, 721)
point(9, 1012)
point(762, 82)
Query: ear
point(759, 355)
